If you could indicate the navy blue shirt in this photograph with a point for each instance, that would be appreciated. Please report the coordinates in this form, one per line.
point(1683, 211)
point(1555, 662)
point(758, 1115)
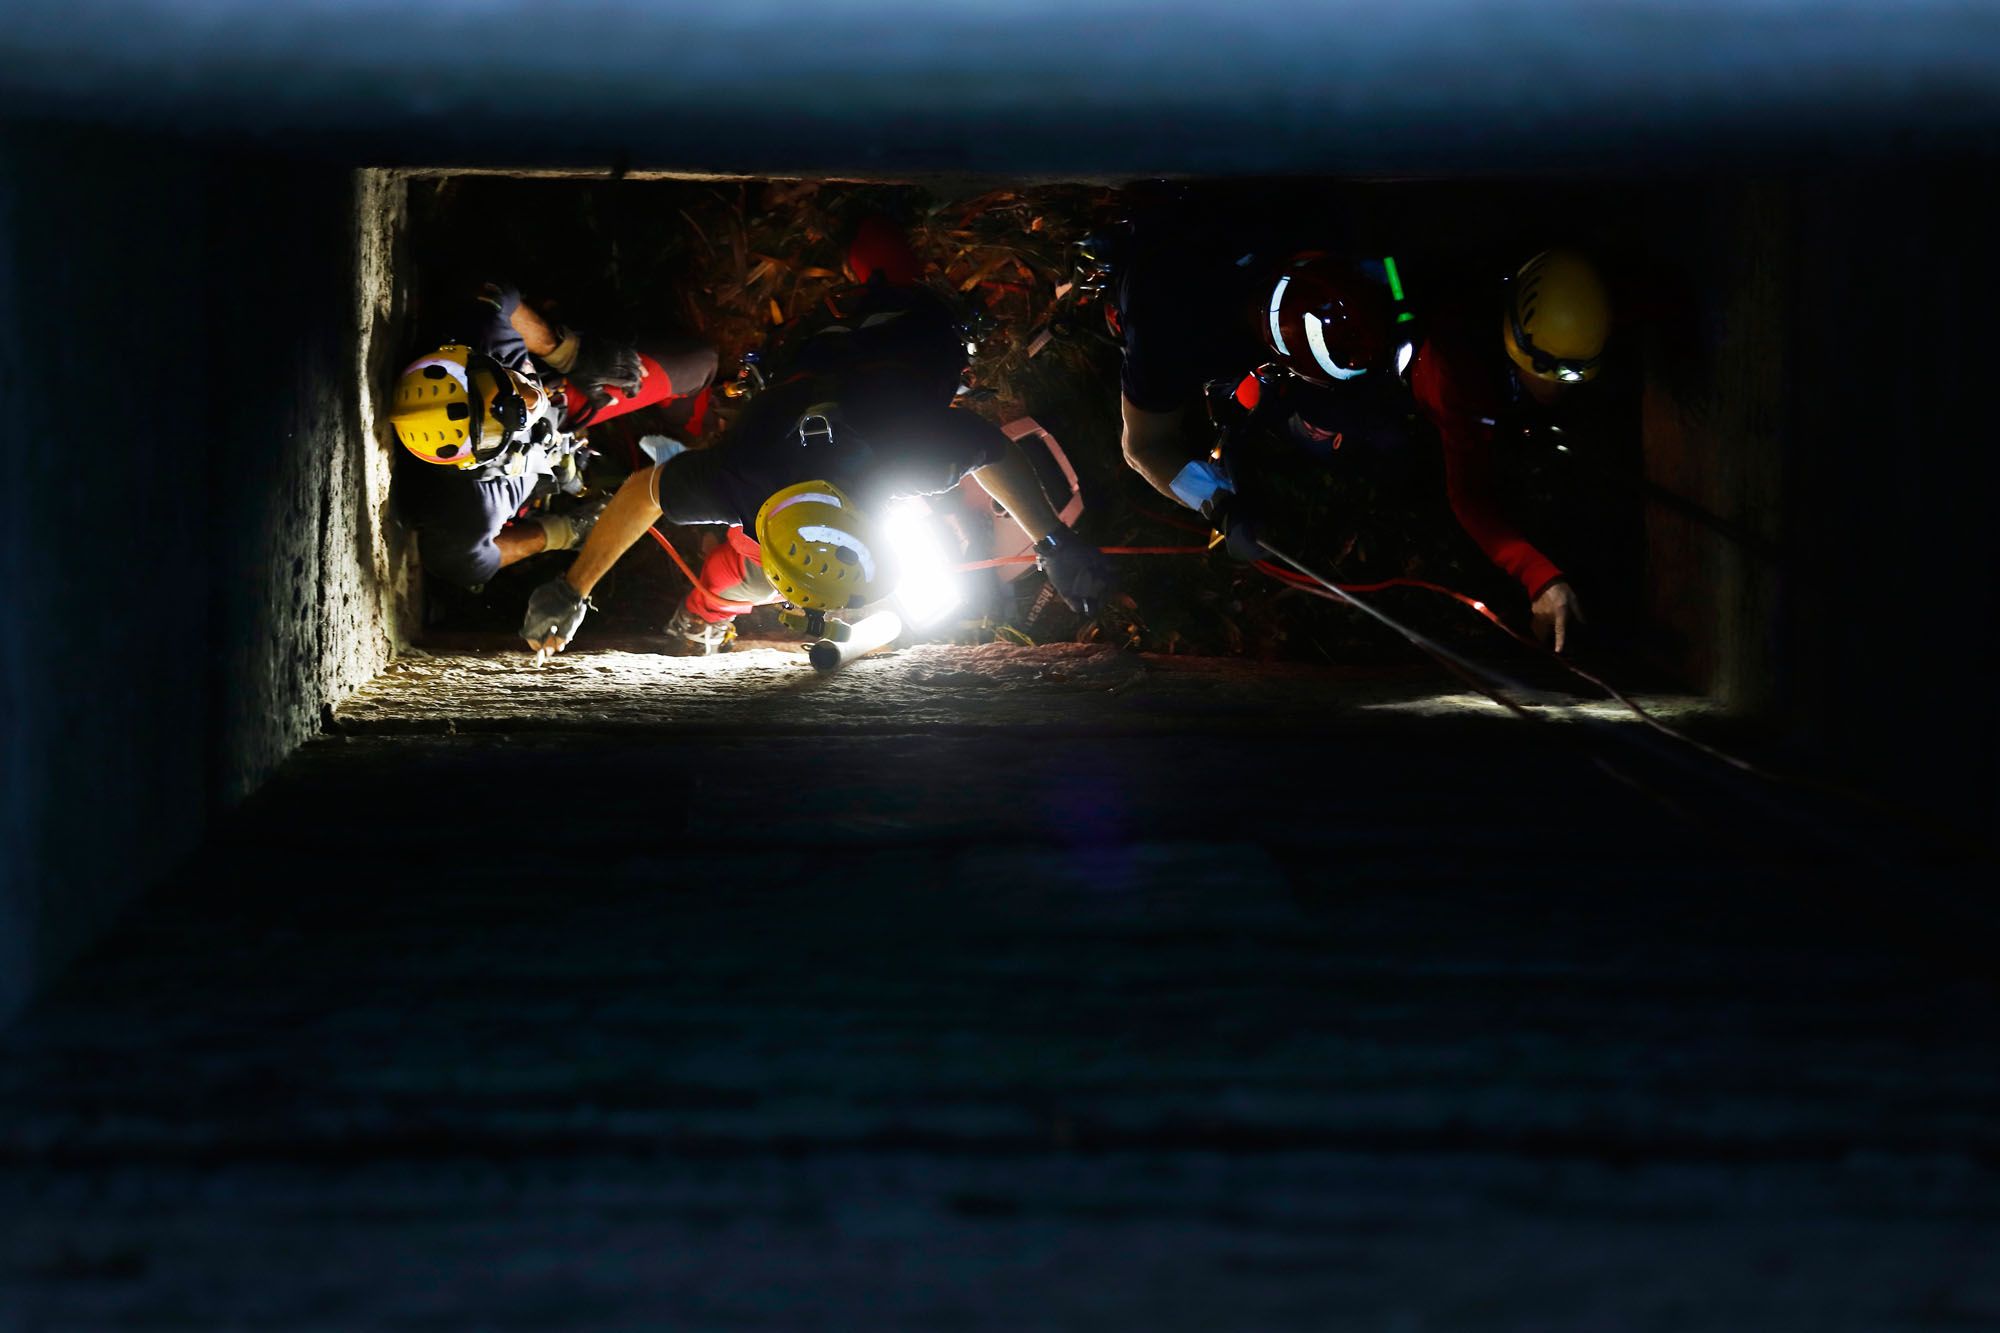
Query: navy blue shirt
point(886, 382)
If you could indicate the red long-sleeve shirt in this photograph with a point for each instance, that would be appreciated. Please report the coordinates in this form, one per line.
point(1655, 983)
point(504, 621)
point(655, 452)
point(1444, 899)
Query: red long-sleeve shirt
point(1462, 392)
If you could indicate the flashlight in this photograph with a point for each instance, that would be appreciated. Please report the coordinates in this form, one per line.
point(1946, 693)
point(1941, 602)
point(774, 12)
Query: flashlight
point(864, 636)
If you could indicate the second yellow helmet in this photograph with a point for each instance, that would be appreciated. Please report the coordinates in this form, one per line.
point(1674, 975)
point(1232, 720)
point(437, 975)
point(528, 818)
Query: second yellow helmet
point(1558, 317)
point(821, 553)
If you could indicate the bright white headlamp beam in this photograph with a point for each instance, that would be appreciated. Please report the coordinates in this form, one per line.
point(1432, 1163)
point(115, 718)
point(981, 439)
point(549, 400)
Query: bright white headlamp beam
point(929, 587)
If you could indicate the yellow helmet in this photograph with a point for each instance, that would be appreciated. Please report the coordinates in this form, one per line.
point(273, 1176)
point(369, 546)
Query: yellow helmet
point(819, 552)
point(459, 409)
point(1558, 316)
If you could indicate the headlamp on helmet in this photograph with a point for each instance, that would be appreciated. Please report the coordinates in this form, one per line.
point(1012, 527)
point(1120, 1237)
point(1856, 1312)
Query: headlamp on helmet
point(1558, 316)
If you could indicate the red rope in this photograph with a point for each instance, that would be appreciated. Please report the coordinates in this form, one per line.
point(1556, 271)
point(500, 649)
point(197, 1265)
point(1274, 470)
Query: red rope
point(668, 547)
point(1304, 584)
point(1107, 550)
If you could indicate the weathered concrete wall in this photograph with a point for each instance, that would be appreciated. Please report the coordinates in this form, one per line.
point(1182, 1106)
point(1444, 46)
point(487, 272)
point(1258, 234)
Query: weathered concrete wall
point(103, 550)
point(302, 533)
point(1889, 620)
point(191, 557)
point(1816, 441)
point(1717, 353)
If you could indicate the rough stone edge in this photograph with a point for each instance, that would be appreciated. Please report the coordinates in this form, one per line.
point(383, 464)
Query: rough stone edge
point(381, 204)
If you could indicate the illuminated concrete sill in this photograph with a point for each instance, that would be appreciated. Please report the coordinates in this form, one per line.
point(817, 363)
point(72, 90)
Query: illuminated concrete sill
point(1553, 705)
point(926, 687)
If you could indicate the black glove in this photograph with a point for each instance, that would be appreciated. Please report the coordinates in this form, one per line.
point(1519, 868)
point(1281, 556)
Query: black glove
point(1242, 533)
point(555, 610)
point(1077, 570)
point(602, 364)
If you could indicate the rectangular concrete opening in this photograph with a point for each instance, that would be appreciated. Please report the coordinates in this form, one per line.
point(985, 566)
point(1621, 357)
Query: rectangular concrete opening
point(1225, 963)
point(737, 262)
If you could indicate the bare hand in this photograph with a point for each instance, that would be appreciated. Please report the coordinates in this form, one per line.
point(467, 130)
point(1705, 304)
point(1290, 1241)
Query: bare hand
point(1553, 611)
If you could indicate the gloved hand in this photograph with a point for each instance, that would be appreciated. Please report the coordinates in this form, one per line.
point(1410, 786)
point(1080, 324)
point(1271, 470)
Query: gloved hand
point(1238, 525)
point(555, 610)
point(602, 364)
point(567, 473)
point(1077, 570)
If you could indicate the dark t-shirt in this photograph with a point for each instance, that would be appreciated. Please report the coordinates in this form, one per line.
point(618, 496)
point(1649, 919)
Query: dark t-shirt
point(885, 389)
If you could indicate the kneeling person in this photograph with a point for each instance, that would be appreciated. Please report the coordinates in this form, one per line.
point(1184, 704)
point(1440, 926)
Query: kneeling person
point(500, 420)
point(866, 407)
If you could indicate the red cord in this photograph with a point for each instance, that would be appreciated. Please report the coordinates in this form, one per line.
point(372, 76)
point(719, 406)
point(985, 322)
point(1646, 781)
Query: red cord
point(668, 547)
point(1305, 584)
point(1107, 550)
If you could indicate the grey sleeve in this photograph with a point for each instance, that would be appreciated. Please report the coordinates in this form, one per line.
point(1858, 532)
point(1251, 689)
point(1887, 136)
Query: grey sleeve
point(493, 328)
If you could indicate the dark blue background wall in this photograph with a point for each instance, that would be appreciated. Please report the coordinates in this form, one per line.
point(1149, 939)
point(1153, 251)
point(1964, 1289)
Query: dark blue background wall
point(185, 562)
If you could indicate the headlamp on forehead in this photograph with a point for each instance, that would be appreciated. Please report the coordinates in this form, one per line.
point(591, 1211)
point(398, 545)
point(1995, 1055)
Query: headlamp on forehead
point(1570, 370)
point(1558, 316)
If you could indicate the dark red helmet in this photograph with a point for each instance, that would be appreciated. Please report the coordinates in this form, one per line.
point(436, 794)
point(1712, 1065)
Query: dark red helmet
point(880, 246)
point(1325, 320)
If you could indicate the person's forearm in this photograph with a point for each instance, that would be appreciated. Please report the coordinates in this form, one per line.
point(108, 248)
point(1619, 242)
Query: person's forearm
point(517, 541)
point(1153, 446)
point(1469, 487)
point(537, 334)
point(623, 522)
point(1013, 483)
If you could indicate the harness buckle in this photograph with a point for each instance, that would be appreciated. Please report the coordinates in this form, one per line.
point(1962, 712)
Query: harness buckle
point(814, 429)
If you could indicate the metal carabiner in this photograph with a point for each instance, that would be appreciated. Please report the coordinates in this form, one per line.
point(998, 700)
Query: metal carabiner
point(814, 428)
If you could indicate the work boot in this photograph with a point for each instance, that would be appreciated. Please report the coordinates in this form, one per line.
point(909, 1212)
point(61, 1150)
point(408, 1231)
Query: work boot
point(694, 637)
